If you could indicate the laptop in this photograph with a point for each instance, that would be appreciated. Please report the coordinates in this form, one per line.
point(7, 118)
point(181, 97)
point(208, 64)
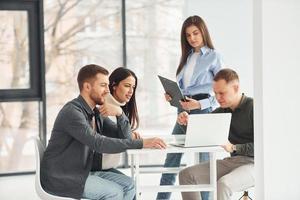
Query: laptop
point(210, 129)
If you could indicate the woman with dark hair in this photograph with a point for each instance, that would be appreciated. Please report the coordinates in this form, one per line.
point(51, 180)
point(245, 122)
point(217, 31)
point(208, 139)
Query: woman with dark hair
point(122, 86)
point(198, 64)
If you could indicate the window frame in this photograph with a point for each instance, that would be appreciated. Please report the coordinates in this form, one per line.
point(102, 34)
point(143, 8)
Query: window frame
point(35, 50)
point(37, 90)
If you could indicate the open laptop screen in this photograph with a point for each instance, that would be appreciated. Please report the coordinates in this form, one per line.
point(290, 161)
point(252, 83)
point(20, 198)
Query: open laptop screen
point(207, 129)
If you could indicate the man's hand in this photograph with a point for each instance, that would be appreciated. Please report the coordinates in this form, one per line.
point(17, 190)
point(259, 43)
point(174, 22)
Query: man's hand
point(135, 135)
point(182, 118)
point(190, 104)
point(154, 143)
point(107, 109)
point(168, 97)
point(229, 147)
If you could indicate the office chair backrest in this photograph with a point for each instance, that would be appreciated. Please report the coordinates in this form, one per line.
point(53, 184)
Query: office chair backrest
point(39, 152)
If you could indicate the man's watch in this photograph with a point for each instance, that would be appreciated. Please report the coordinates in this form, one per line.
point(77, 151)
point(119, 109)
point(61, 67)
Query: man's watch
point(233, 148)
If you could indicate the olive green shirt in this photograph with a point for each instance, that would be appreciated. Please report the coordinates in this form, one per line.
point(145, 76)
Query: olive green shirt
point(241, 127)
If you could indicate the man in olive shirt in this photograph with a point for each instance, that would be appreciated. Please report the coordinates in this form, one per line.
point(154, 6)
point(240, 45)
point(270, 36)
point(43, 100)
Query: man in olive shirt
point(81, 131)
point(234, 173)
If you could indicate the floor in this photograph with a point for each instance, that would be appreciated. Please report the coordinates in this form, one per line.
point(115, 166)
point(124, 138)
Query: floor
point(22, 187)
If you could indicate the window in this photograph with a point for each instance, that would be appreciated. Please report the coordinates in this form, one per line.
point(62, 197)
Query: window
point(18, 123)
point(78, 33)
point(21, 84)
point(87, 32)
point(153, 47)
point(14, 59)
point(21, 58)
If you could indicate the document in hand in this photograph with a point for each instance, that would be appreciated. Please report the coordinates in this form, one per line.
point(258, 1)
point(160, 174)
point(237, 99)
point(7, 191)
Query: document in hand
point(172, 89)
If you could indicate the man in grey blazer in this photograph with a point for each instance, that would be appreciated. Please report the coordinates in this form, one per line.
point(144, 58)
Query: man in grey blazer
point(82, 131)
point(234, 173)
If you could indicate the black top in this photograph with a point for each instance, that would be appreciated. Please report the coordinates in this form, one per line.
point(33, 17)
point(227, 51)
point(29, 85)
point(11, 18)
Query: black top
point(68, 158)
point(241, 126)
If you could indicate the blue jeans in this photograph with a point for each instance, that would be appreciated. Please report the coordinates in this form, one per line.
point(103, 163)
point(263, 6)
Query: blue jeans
point(174, 160)
point(108, 185)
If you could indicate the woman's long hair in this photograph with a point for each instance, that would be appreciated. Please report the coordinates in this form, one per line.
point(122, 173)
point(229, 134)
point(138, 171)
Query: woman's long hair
point(130, 108)
point(185, 46)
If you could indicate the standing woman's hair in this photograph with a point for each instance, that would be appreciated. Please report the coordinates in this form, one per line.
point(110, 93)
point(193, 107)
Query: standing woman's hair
point(185, 46)
point(130, 108)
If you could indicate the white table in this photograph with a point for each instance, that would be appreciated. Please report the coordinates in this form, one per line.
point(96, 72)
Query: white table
point(136, 170)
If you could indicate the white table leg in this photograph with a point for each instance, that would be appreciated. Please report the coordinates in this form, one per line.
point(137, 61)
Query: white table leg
point(136, 170)
point(132, 166)
point(137, 176)
point(213, 173)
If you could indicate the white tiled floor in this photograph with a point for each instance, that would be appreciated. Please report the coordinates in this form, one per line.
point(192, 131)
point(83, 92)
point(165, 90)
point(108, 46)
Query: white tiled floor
point(22, 187)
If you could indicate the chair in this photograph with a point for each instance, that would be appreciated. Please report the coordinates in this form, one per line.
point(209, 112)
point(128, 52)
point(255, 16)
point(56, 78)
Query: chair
point(39, 152)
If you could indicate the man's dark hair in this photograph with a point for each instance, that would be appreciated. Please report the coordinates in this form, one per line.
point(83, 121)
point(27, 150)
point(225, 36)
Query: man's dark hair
point(226, 74)
point(88, 73)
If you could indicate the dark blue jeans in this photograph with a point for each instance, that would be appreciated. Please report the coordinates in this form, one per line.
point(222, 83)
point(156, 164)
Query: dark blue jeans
point(174, 160)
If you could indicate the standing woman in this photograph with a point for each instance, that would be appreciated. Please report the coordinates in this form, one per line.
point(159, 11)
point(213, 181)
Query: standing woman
point(198, 64)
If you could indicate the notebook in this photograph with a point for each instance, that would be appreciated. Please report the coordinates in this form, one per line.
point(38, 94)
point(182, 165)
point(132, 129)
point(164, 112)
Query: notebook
point(210, 129)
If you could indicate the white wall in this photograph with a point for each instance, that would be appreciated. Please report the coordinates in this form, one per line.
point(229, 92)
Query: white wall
point(230, 25)
point(277, 109)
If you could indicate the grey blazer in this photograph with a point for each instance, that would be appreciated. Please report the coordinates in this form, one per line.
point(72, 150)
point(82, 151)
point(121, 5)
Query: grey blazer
point(68, 158)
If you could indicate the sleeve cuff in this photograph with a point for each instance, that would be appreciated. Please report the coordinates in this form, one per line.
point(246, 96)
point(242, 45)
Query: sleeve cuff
point(205, 103)
point(138, 144)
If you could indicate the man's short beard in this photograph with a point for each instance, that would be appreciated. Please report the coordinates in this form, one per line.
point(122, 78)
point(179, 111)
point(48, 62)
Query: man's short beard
point(98, 101)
